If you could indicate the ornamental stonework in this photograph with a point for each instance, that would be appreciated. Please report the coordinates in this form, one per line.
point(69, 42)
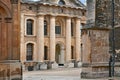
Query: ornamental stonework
point(43, 9)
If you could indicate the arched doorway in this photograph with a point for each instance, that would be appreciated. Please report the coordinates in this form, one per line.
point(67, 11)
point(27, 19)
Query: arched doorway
point(59, 56)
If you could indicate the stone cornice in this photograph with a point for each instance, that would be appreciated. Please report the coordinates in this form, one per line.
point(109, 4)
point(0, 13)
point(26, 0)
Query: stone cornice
point(55, 5)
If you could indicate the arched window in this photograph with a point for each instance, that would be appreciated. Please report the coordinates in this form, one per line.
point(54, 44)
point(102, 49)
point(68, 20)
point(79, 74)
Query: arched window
point(61, 2)
point(29, 51)
point(45, 27)
point(72, 52)
point(45, 53)
point(29, 25)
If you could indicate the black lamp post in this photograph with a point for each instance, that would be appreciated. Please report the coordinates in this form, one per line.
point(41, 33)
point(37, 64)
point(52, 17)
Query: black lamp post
point(113, 40)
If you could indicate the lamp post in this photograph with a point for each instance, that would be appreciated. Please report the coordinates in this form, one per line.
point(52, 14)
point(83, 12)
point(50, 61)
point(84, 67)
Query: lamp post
point(113, 40)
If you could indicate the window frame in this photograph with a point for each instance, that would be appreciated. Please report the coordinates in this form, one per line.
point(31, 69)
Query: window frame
point(31, 23)
point(34, 26)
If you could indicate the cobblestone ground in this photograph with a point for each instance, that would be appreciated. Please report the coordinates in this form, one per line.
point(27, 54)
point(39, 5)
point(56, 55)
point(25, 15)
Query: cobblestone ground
point(58, 74)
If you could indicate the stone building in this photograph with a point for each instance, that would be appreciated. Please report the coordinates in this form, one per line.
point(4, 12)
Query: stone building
point(9, 40)
point(97, 39)
point(51, 33)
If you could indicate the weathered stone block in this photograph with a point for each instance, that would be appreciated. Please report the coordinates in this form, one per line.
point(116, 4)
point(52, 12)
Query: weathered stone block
point(69, 65)
point(43, 66)
point(54, 65)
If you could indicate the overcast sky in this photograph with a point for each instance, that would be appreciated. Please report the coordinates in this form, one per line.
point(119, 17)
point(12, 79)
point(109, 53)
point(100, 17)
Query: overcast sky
point(83, 1)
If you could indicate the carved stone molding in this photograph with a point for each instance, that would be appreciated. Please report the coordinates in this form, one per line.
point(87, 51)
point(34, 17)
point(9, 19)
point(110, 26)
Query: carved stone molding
point(52, 10)
point(14, 1)
point(8, 20)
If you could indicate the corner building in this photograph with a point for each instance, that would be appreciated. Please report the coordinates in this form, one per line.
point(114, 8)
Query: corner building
point(51, 33)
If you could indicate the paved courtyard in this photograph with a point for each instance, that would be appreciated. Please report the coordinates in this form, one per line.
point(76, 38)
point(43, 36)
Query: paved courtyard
point(58, 74)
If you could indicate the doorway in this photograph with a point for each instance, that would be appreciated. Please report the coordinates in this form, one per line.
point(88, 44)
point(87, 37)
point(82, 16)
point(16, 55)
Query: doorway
point(59, 54)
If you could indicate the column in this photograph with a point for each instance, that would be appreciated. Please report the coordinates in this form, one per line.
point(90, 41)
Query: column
point(40, 38)
point(52, 38)
point(77, 42)
point(68, 39)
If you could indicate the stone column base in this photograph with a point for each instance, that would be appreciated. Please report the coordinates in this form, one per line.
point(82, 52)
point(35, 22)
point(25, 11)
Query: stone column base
point(52, 65)
point(77, 64)
point(69, 65)
point(43, 66)
point(38, 65)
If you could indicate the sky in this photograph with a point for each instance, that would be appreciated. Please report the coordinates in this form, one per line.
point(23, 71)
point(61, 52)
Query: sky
point(83, 1)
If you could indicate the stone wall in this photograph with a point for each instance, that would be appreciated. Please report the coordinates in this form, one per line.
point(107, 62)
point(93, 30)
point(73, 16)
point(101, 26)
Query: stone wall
point(9, 30)
point(95, 53)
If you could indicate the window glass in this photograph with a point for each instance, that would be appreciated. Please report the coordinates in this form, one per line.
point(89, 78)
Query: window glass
point(72, 52)
point(29, 51)
point(72, 29)
point(29, 27)
point(58, 29)
point(45, 27)
point(45, 52)
point(61, 2)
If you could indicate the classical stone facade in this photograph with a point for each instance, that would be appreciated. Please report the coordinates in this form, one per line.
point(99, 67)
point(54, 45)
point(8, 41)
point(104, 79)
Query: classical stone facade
point(51, 33)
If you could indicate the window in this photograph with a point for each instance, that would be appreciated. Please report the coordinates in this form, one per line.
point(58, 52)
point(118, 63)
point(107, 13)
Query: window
point(45, 27)
point(29, 51)
point(58, 29)
point(72, 52)
point(71, 28)
point(45, 53)
point(61, 2)
point(29, 27)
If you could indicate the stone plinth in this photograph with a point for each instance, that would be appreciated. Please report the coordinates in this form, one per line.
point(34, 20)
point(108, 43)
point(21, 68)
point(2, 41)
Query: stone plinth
point(10, 70)
point(95, 53)
point(52, 65)
point(95, 70)
point(95, 40)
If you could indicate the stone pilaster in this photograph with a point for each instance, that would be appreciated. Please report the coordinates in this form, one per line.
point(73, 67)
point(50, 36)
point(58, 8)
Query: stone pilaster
point(52, 38)
point(52, 64)
point(68, 43)
point(40, 38)
point(68, 39)
point(22, 45)
point(77, 43)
